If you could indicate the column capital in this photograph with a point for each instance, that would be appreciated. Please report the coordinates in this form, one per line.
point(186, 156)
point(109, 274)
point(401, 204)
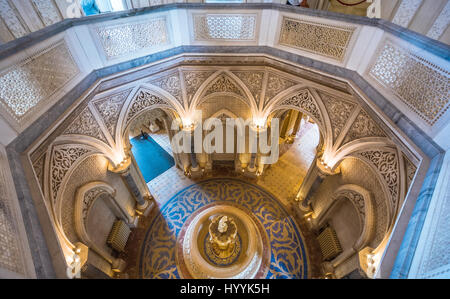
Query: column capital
point(122, 168)
point(325, 170)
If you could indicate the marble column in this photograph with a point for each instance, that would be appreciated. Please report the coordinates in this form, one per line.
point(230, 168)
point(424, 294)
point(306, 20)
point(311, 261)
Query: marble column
point(314, 178)
point(134, 181)
point(297, 124)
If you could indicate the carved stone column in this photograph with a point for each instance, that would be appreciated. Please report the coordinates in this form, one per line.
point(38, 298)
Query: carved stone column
point(314, 178)
point(170, 133)
point(135, 183)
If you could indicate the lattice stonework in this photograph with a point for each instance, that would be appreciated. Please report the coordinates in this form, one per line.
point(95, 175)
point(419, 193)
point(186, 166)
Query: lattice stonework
point(25, 85)
point(421, 85)
point(225, 27)
point(119, 40)
point(327, 40)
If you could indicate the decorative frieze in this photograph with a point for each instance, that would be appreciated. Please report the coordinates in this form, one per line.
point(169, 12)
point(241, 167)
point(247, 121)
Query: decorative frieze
point(25, 85)
point(421, 85)
point(232, 27)
point(125, 39)
point(322, 39)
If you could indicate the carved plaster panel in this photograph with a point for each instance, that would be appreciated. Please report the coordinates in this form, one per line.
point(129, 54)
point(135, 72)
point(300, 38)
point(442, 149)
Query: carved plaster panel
point(421, 85)
point(322, 39)
point(339, 112)
point(193, 80)
point(233, 27)
point(85, 124)
point(224, 84)
point(122, 39)
point(253, 80)
point(275, 85)
point(303, 100)
point(29, 83)
point(144, 100)
point(387, 165)
point(10, 248)
point(171, 84)
point(63, 158)
point(363, 126)
point(441, 23)
point(109, 109)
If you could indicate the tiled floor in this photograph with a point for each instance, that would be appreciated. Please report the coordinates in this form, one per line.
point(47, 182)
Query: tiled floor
point(282, 180)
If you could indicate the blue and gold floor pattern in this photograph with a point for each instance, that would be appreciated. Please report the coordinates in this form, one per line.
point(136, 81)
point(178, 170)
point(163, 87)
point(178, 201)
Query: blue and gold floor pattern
point(288, 256)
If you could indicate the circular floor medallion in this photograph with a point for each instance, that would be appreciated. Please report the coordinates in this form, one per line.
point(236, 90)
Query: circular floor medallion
point(271, 244)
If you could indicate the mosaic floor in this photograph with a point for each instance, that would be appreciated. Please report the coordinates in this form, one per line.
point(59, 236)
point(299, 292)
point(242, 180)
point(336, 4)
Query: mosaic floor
point(158, 254)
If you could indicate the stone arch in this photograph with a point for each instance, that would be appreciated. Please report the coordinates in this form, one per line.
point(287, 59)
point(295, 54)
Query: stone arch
point(224, 82)
point(85, 197)
point(60, 162)
point(307, 102)
point(362, 202)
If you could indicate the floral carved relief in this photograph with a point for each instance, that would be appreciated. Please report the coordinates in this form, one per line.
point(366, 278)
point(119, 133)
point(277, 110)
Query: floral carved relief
point(224, 84)
point(63, 158)
point(171, 84)
point(144, 100)
point(275, 85)
point(109, 109)
point(363, 126)
point(254, 82)
point(387, 165)
point(305, 102)
point(86, 124)
point(339, 112)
